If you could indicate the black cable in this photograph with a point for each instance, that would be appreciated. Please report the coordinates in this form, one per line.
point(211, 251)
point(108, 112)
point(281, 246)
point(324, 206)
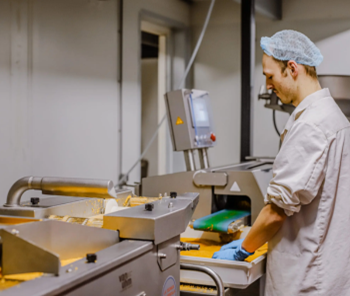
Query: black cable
point(274, 122)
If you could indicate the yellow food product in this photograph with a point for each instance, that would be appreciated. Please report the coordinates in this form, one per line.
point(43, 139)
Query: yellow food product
point(8, 281)
point(209, 247)
point(198, 289)
point(69, 261)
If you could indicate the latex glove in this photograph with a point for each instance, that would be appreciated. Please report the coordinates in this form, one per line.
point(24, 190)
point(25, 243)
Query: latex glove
point(232, 245)
point(238, 254)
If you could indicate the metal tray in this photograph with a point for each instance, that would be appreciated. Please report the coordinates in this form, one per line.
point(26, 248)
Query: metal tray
point(234, 274)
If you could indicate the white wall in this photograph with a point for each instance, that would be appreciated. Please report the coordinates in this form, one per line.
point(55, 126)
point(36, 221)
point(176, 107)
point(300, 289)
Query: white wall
point(217, 67)
point(217, 70)
point(59, 91)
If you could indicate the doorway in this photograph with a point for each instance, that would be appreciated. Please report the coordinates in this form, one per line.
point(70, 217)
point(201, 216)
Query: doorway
point(154, 84)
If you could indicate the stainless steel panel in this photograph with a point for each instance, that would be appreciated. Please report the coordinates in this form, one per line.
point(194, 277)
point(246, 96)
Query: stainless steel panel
point(25, 244)
point(168, 253)
point(78, 207)
point(183, 134)
point(169, 218)
point(20, 255)
point(47, 202)
point(181, 183)
point(104, 277)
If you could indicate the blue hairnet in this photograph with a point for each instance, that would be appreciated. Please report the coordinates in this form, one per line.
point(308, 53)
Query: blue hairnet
point(292, 45)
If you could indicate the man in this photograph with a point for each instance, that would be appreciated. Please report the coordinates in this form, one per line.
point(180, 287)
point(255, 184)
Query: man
point(307, 213)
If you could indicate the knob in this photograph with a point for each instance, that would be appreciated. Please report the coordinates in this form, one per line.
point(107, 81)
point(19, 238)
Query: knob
point(149, 206)
point(35, 200)
point(91, 258)
point(213, 137)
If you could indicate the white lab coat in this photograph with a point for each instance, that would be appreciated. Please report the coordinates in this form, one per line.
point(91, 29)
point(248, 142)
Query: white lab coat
point(310, 255)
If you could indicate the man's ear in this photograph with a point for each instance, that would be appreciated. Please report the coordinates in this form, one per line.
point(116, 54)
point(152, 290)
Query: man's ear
point(293, 68)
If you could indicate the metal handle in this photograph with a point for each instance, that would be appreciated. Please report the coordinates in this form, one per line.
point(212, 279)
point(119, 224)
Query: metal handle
point(216, 278)
point(60, 186)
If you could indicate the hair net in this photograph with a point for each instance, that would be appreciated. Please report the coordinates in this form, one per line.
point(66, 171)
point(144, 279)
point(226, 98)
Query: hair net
point(292, 45)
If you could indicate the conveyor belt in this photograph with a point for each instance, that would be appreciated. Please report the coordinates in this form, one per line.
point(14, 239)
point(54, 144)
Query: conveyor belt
point(219, 221)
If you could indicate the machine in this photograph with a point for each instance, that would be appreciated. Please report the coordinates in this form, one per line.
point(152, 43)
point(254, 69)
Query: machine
point(136, 252)
point(231, 196)
point(238, 187)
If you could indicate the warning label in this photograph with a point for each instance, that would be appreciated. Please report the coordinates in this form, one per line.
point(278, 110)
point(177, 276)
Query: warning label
point(169, 287)
point(179, 121)
point(235, 188)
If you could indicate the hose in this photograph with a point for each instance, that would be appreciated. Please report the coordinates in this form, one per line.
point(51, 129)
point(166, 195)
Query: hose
point(194, 54)
point(274, 122)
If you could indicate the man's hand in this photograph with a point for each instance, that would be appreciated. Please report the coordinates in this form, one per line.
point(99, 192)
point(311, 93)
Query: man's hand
point(232, 245)
point(236, 253)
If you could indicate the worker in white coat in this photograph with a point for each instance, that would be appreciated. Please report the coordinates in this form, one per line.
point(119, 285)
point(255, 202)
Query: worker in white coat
point(307, 214)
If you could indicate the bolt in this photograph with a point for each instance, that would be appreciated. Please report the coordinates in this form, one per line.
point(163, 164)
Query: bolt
point(162, 255)
point(15, 232)
point(69, 270)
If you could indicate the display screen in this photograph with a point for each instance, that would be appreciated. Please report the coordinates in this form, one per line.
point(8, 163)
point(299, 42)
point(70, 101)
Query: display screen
point(200, 112)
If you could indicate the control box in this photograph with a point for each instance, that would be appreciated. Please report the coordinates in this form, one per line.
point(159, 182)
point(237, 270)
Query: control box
point(190, 119)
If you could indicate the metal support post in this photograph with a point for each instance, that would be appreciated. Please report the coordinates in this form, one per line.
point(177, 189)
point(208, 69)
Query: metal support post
point(189, 160)
point(204, 158)
point(247, 72)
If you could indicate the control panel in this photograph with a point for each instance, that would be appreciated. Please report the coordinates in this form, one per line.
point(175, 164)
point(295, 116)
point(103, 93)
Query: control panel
point(190, 119)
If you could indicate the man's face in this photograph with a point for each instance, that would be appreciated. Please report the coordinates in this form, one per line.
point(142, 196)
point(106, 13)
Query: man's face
point(281, 83)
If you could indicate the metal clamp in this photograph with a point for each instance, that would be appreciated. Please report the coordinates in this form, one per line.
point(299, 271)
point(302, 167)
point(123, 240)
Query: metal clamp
point(216, 278)
point(60, 186)
point(187, 246)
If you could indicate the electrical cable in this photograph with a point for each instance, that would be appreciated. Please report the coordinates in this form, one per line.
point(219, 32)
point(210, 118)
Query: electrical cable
point(194, 54)
point(274, 122)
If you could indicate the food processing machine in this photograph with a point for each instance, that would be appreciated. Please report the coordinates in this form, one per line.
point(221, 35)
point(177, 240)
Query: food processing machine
point(136, 252)
point(231, 196)
point(238, 187)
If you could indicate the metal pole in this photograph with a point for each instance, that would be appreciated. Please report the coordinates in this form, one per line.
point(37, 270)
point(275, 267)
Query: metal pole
point(204, 158)
point(189, 160)
point(247, 72)
point(216, 278)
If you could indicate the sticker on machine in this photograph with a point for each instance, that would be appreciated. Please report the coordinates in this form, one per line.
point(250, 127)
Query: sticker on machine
point(125, 280)
point(179, 121)
point(169, 287)
point(235, 188)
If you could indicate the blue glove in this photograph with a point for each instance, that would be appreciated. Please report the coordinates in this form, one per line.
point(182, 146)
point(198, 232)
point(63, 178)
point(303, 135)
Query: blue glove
point(238, 254)
point(232, 245)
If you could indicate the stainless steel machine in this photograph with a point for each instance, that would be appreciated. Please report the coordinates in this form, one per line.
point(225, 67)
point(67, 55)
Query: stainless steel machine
point(239, 187)
point(136, 253)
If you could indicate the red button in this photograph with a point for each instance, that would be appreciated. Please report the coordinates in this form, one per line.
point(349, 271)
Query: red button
point(213, 137)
